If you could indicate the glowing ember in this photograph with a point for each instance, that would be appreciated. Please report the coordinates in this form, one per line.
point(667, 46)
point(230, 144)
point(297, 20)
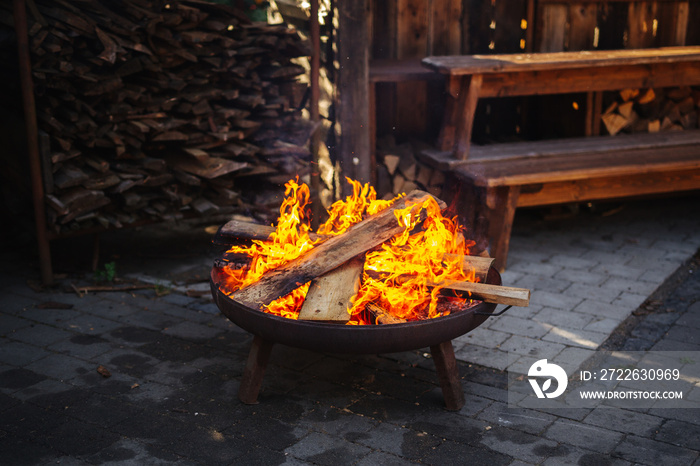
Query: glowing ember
point(398, 276)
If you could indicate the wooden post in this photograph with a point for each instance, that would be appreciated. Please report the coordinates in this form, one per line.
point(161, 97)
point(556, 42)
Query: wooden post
point(373, 132)
point(25, 71)
point(254, 370)
point(448, 375)
point(530, 32)
point(412, 41)
point(353, 90)
point(314, 72)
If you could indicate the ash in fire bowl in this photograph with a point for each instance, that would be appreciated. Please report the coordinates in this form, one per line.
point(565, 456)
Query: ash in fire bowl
point(372, 262)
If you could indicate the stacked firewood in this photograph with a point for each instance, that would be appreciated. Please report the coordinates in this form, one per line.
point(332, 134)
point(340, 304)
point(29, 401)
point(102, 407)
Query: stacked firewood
point(653, 110)
point(153, 110)
point(399, 171)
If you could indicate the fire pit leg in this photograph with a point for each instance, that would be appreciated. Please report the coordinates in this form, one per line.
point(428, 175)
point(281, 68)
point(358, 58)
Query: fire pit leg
point(254, 370)
point(448, 375)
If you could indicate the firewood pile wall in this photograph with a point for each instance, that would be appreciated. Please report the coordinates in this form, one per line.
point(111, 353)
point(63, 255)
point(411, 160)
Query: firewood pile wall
point(156, 110)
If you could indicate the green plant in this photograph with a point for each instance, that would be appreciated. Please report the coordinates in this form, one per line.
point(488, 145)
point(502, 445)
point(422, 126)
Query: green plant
point(161, 290)
point(106, 274)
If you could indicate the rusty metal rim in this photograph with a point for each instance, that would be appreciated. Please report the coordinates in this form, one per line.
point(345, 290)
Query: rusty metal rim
point(366, 339)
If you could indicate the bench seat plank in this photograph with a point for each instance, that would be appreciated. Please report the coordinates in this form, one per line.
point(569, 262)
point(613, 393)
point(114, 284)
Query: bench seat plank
point(581, 166)
point(505, 152)
point(605, 188)
point(457, 65)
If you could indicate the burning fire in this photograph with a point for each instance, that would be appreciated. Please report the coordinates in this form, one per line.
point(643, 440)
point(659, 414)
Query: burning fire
point(400, 277)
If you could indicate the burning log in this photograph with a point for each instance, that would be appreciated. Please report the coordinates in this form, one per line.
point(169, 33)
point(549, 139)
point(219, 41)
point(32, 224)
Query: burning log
point(329, 254)
point(489, 293)
point(381, 316)
point(478, 265)
point(329, 295)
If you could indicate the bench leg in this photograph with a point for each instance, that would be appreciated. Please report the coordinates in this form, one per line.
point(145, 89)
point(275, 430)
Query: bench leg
point(462, 97)
point(500, 205)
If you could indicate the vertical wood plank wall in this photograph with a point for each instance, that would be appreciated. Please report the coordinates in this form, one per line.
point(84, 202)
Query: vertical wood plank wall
point(412, 27)
point(419, 28)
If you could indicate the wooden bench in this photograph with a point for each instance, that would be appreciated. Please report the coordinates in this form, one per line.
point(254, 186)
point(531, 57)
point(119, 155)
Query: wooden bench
point(507, 176)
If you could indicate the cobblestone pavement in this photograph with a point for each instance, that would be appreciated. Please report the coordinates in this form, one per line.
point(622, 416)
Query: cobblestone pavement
point(175, 365)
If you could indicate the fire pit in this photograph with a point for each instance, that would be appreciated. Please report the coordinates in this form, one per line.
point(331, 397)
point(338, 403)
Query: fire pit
point(364, 339)
point(376, 277)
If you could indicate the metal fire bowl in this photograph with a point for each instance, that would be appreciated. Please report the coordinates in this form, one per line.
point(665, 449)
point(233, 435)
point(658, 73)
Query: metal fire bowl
point(359, 339)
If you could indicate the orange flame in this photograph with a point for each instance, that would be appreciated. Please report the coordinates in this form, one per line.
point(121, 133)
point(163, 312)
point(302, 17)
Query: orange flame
point(344, 214)
point(399, 277)
point(289, 241)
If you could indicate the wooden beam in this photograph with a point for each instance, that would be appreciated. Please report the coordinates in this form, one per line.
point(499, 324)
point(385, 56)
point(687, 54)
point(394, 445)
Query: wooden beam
point(353, 90)
point(480, 265)
point(314, 113)
point(490, 293)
